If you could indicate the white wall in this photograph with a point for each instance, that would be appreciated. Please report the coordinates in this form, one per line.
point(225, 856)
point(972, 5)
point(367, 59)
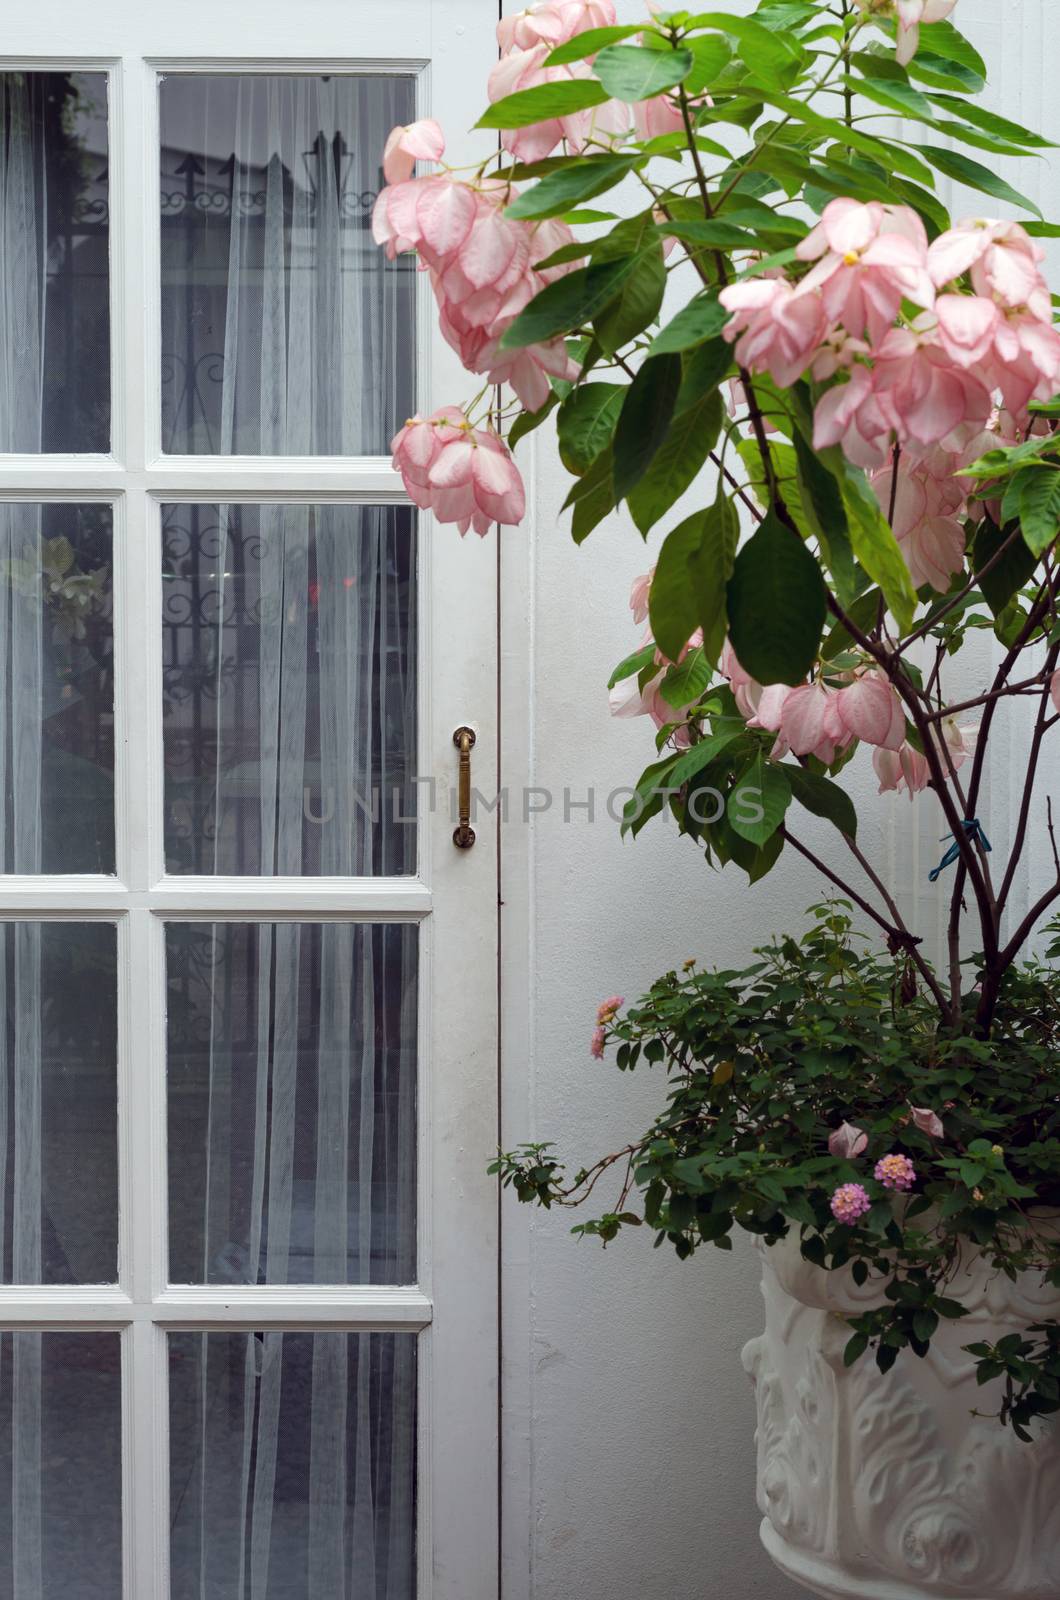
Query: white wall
point(628, 1434)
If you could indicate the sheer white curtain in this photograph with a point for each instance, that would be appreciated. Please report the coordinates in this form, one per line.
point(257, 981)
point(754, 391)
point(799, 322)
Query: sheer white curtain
point(22, 296)
point(305, 359)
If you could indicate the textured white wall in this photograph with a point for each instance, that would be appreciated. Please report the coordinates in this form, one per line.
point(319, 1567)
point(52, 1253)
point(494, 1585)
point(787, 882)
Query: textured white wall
point(628, 1434)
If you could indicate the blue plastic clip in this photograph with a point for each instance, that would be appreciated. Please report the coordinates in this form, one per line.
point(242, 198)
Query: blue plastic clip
point(974, 830)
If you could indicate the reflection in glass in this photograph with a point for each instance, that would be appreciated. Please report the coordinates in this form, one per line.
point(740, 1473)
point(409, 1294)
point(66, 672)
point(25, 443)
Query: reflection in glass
point(290, 689)
point(292, 1102)
point(292, 1465)
point(60, 1466)
point(54, 311)
point(284, 329)
point(58, 1103)
point(56, 689)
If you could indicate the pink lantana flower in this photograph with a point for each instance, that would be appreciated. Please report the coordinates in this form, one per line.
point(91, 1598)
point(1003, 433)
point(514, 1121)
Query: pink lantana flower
point(596, 1044)
point(608, 1008)
point(870, 257)
point(896, 1172)
point(850, 1202)
point(848, 1142)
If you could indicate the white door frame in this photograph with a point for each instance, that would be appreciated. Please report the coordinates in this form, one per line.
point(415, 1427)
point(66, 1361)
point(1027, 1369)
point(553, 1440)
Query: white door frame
point(448, 45)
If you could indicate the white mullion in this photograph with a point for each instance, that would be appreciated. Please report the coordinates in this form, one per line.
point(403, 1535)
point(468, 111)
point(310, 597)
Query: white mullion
point(145, 1464)
point(140, 693)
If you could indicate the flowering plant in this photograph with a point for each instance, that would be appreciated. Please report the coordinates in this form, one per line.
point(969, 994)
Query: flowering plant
point(853, 398)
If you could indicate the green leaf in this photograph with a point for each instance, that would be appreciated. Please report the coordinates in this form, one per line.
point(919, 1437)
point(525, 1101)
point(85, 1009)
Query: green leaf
point(875, 545)
point(692, 435)
point(592, 497)
point(527, 421)
point(640, 295)
point(673, 612)
point(580, 181)
point(767, 54)
point(645, 657)
point(760, 796)
point(822, 505)
point(589, 42)
point(776, 605)
point(1040, 507)
point(631, 73)
point(890, 157)
point(824, 798)
point(703, 318)
point(718, 233)
point(548, 100)
point(704, 367)
point(964, 170)
point(1010, 572)
point(939, 73)
point(710, 566)
point(942, 39)
point(644, 419)
point(700, 756)
point(710, 56)
point(991, 122)
point(569, 302)
point(686, 682)
point(896, 94)
point(586, 423)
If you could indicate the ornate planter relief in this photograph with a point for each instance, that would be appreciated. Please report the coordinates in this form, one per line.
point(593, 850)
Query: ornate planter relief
point(887, 1487)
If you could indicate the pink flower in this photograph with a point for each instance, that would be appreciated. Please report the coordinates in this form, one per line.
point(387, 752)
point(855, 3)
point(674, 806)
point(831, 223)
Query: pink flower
point(927, 1122)
point(926, 521)
point(910, 14)
point(746, 691)
point(482, 271)
point(850, 1201)
point(626, 699)
point(848, 1142)
point(553, 23)
point(778, 328)
point(526, 69)
point(932, 399)
point(419, 141)
point(810, 723)
point(596, 1044)
point(1002, 257)
point(607, 1009)
point(858, 419)
point(869, 259)
point(464, 475)
point(896, 1172)
point(869, 709)
point(661, 114)
point(905, 769)
point(639, 594)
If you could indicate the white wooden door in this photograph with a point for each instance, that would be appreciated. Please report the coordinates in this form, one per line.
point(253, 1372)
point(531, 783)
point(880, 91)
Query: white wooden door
point(248, 1055)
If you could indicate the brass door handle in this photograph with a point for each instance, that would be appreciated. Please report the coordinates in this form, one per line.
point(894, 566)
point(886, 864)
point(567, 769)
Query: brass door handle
point(463, 833)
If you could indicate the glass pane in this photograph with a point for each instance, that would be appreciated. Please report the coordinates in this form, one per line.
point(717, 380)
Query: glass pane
point(56, 689)
point(60, 1466)
point(55, 309)
point(289, 678)
point(285, 331)
point(292, 1465)
point(292, 1102)
point(58, 1103)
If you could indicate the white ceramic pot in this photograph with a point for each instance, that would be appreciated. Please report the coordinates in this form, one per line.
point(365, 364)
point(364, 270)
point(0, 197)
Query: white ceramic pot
point(888, 1487)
